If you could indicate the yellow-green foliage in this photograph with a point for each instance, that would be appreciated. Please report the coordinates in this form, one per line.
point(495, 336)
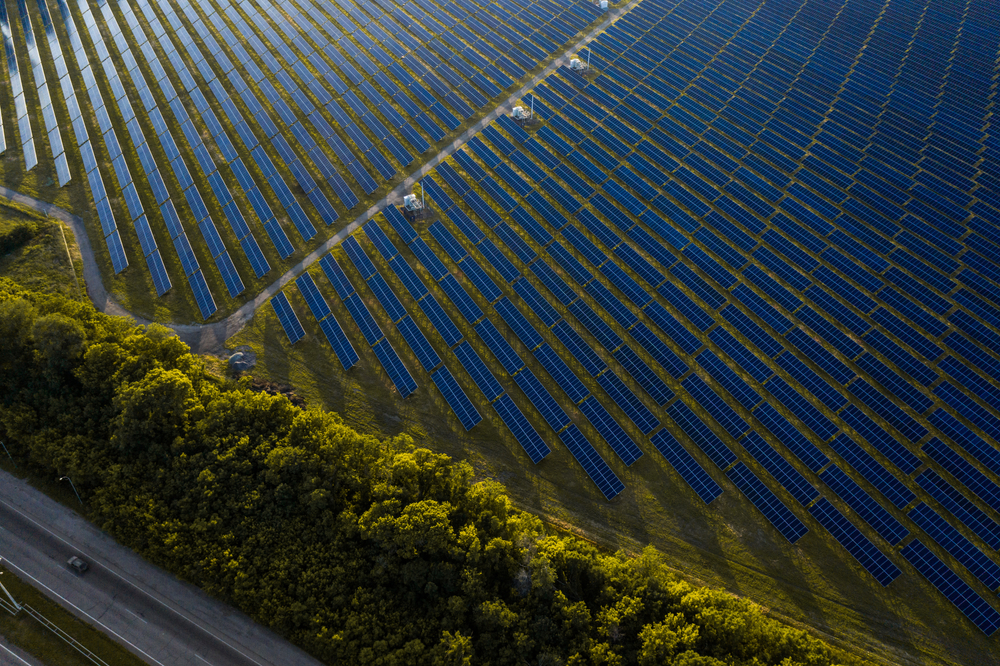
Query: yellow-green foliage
point(362, 550)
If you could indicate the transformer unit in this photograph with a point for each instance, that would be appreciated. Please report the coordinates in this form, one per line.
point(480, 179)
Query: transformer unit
point(521, 114)
point(411, 203)
point(577, 65)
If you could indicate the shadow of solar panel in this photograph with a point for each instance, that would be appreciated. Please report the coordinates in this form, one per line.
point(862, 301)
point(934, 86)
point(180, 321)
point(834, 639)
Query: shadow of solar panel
point(767, 503)
point(955, 590)
point(963, 550)
point(595, 466)
point(857, 544)
point(456, 398)
point(394, 367)
point(864, 505)
point(686, 466)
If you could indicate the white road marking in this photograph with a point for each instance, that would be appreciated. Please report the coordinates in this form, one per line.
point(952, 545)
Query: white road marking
point(138, 616)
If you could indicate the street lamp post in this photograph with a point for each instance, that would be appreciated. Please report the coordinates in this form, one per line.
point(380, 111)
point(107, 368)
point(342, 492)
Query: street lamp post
point(8, 454)
point(73, 486)
point(17, 606)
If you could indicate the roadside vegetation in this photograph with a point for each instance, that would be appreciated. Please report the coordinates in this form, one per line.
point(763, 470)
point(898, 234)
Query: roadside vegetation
point(361, 550)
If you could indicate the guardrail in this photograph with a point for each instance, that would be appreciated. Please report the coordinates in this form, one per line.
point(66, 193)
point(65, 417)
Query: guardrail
point(72, 642)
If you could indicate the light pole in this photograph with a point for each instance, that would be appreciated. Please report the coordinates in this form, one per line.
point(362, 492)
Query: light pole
point(8, 454)
point(73, 486)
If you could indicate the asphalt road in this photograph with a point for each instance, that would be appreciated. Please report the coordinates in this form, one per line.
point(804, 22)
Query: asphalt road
point(11, 655)
point(159, 618)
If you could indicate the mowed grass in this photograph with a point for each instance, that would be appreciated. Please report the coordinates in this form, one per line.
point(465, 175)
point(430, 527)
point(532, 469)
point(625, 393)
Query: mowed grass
point(28, 634)
point(814, 584)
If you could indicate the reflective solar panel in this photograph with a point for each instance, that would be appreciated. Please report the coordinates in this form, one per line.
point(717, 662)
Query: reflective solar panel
point(595, 466)
point(767, 502)
point(456, 398)
point(856, 543)
point(864, 504)
point(948, 583)
point(287, 317)
point(414, 337)
point(685, 465)
point(400, 376)
point(521, 428)
point(963, 550)
point(542, 399)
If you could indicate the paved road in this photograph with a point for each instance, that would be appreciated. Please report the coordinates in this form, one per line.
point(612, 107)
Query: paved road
point(212, 337)
point(164, 621)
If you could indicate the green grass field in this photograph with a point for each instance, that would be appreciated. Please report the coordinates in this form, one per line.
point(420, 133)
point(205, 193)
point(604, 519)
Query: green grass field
point(814, 584)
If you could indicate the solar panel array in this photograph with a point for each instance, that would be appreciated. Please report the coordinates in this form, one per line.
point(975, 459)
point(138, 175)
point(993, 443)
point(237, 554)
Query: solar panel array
point(759, 236)
point(358, 90)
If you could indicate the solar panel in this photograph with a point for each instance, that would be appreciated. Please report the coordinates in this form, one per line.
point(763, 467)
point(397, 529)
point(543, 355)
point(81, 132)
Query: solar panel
point(885, 443)
point(864, 504)
point(202, 295)
point(963, 550)
point(456, 398)
point(480, 374)
point(948, 583)
point(961, 507)
point(522, 328)
point(381, 242)
point(610, 430)
point(400, 376)
point(715, 405)
point(560, 372)
point(686, 466)
point(499, 346)
point(414, 337)
point(767, 502)
point(338, 340)
point(523, 431)
point(595, 466)
point(785, 474)
point(542, 399)
point(877, 475)
point(857, 544)
point(408, 277)
point(964, 471)
point(386, 297)
point(161, 281)
point(701, 434)
point(623, 396)
point(314, 299)
point(287, 317)
point(442, 323)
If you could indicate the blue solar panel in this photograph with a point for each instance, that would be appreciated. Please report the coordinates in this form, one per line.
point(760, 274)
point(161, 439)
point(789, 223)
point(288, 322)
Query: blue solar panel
point(729, 380)
point(856, 543)
point(701, 434)
point(963, 550)
point(480, 374)
point(363, 318)
point(202, 295)
point(358, 257)
point(802, 408)
point(767, 502)
point(595, 466)
point(414, 337)
point(964, 471)
point(542, 399)
point(314, 299)
point(287, 317)
point(727, 417)
point(428, 259)
point(783, 471)
point(499, 346)
point(232, 280)
point(408, 277)
point(386, 297)
point(685, 465)
point(522, 328)
point(157, 271)
point(523, 431)
point(381, 242)
point(948, 583)
point(478, 277)
point(788, 435)
point(864, 505)
point(885, 443)
point(610, 430)
point(961, 507)
point(400, 376)
point(873, 471)
point(442, 323)
point(561, 373)
point(456, 398)
point(530, 295)
point(400, 224)
point(623, 396)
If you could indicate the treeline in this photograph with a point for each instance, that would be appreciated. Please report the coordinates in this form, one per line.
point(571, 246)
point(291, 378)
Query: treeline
point(361, 550)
